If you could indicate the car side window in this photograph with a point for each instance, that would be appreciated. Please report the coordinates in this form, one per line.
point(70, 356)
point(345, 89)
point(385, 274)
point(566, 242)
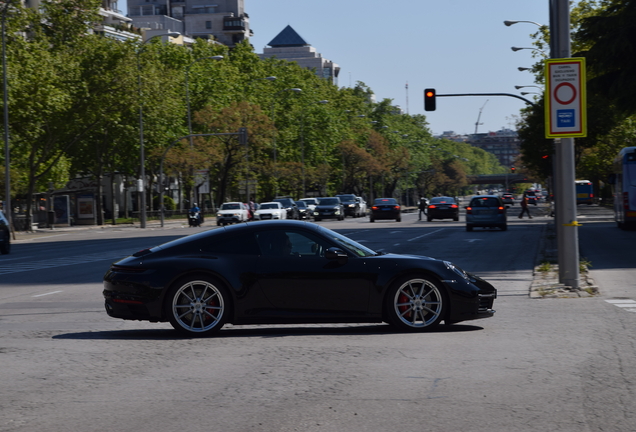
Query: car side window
point(243, 244)
point(288, 243)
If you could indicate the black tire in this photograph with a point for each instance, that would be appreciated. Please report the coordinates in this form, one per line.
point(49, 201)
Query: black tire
point(316, 219)
point(456, 218)
point(415, 303)
point(371, 220)
point(5, 247)
point(197, 306)
point(504, 227)
point(469, 228)
point(429, 219)
point(398, 219)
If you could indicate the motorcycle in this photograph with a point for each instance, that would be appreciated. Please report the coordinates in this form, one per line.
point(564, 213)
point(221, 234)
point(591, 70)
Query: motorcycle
point(194, 219)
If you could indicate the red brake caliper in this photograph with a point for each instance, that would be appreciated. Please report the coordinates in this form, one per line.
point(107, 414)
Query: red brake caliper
point(402, 298)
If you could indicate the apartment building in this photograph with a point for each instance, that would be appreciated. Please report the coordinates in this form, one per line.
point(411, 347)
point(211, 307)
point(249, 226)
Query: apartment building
point(504, 144)
point(289, 45)
point(222, 20)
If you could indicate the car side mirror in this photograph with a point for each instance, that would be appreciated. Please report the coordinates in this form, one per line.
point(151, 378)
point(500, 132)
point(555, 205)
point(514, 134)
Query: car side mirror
point(334, 253)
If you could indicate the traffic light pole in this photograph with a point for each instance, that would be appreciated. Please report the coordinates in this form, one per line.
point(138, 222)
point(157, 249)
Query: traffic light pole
point(564, 176)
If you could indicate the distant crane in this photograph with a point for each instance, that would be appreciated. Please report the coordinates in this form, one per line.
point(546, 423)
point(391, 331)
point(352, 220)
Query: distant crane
point(479, 116)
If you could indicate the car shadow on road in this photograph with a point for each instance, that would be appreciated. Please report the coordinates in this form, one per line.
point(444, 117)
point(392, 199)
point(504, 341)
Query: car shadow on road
point(261, 332)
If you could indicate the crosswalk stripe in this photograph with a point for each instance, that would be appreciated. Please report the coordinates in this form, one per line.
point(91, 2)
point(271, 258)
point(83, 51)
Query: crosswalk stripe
point(625, 304)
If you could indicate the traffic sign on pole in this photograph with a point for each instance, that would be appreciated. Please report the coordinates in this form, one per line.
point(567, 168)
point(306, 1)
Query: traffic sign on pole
point(565, 99)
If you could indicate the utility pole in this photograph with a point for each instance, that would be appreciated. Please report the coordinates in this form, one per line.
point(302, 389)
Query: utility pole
point(564, 176)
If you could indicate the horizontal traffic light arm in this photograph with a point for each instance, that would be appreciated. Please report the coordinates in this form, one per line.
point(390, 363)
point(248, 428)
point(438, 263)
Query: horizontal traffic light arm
point(489, 94)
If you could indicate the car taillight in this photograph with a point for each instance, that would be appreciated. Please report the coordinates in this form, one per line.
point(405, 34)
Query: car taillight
point(432, 206)
point(469, 210)
point(374, 208)
point(626, 200)
point(454, 206)
point(397, 207)
point(502, 210)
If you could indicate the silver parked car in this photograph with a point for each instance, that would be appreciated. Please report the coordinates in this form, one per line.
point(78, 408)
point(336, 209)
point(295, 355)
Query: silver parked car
point(487, 211)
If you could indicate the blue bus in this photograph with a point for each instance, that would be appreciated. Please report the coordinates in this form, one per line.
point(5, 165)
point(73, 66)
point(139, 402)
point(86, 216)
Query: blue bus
point(623, 181)
point(584, 192)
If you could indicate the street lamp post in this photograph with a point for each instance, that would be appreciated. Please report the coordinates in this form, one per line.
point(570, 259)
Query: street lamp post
point(247, 146)
point(7, 153)
point(302, 142)
point(142, 157)
point(187, 87)
point(273, 111)
point(514, 48)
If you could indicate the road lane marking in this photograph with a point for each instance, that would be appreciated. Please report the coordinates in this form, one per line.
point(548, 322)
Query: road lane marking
point(42, 295)
point(62, 262)
point(427, 234)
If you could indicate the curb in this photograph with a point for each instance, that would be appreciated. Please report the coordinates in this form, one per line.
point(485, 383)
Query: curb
point(545, 282)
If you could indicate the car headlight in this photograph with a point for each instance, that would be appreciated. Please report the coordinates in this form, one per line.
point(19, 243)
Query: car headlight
point(457, 270)
point(316, 213)
point(352, 205)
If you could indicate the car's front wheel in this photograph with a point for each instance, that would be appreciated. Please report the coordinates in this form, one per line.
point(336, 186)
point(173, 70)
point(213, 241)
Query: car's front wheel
point(197, 306)
point(415, 303)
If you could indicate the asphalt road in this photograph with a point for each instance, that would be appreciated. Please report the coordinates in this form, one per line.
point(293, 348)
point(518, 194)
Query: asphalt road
point(538, 365)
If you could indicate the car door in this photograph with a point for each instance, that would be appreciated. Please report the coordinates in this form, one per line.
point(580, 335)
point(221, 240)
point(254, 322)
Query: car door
point(296, 277)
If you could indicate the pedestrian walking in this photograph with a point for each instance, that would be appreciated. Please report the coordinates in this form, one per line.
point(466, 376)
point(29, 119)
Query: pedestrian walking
point(422, 206)
point(524, 207)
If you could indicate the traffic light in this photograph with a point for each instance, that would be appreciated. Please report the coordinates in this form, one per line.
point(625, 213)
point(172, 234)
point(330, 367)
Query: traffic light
point(429, 99)
point(513, 169)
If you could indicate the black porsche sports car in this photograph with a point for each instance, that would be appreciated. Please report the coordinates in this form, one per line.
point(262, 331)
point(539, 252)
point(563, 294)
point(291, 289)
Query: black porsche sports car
point(288, 272)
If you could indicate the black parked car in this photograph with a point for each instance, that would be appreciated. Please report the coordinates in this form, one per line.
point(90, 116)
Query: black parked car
point(303, 211)
point(350, 204)
point(288, 272)
point(5, 235)
point(289, 205)
point(329, 207)
point(385, 208)
point(442, 208)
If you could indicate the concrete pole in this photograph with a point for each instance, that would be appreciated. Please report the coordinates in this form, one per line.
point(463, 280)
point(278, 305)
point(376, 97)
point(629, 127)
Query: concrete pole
point(565, 175)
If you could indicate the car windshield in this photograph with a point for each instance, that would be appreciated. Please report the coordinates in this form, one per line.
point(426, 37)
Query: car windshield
point(329, 201)
point(284, 202)
point(230, 206)
point(309, 200)
point(347, 197)
point(301, 204)
point(379, 201)
point(346, 243)
point(484, 202)
point(442, 200)
point(269, 206)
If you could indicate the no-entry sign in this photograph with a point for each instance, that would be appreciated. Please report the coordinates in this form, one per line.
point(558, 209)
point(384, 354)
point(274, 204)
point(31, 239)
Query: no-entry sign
point(565, 106)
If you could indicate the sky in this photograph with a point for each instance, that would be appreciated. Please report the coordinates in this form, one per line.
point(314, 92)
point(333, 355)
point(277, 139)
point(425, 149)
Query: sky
point(453, 46)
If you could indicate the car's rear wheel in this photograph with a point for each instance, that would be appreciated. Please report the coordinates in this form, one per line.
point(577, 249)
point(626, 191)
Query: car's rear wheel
point(5, 247)
point(415, 303)
point(456, 218)
point(398, 219)
point(429, 219)
point(504, 227)
point(371, 219)
point(197, 306)
point(469, 228)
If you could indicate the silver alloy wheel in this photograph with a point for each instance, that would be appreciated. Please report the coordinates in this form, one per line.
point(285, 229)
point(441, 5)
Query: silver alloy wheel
point(198, 306)
point(418, 303)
